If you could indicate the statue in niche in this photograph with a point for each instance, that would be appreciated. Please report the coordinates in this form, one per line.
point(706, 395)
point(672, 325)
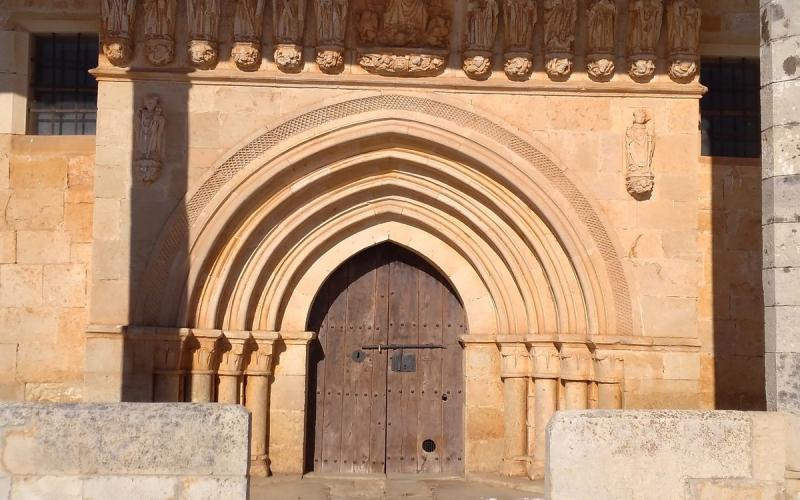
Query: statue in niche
point(149, 145)
point(639, 148)
point(203, 17)
point(404, 22)
point(247, 23)
point(288, 24)
point(683, 37)
point(369, 24)
point(519, 18)
point(601, 30)
point(559, 34)
point(116, 28)
point(331, 28)
point(159, 31)
point(438, 32)
point(482, 19)
point(644, 29)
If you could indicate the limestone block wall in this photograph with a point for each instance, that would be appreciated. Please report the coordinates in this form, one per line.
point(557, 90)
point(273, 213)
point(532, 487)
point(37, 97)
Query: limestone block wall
point(670, 455)
point(730, 28)
point(123, 451)
point(46, 201)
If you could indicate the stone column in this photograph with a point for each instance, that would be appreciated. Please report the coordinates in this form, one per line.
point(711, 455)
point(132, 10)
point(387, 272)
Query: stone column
point(230, 367)
point(608, 370)
point(204, 344)
point(546, 366)
point(257, 399)
point(514, 373)
point(780, 95)
point(576, 372)
point(168, 360)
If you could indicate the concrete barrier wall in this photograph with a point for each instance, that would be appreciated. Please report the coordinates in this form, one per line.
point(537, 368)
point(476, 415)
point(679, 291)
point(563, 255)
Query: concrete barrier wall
point(653, 455)
point(123, 450)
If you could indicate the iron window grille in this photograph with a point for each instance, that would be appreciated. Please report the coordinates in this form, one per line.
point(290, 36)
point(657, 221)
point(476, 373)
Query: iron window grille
point(63, 95)
point(730, 112)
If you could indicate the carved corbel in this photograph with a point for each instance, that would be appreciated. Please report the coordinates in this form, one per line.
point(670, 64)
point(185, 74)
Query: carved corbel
point(331, 28)
point(519, 18)
point(117, 19)
point(601, 36)
point(288, 21)
point(683, 38)
point(203, 27)
point(482, 20)
point(644, 30)
point(640, 144)
point(247, 27)
point(159, 31)
point(560, 17)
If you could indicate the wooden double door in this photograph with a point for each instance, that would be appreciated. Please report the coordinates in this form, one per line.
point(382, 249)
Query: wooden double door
point(386, 376)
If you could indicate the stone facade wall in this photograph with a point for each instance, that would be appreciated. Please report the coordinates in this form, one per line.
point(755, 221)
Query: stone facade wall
point(46, 199)
point(155, 451)
point(730, 28)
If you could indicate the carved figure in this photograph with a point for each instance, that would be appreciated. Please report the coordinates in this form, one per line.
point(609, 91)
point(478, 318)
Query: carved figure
point(482, 17)
point(159, 31)
point(601, 28)
point(438, 32)
point(203, 18)
point(639, 148)
point(247, 22)
point(519, 18)
point(683, 37)
point(116, 28)
point(402, 64)
point(404, 21)
point(559, 25)
point(288, 24)
point(149, 145)
point(644, 29)
point(331, 21)
point(368, 24)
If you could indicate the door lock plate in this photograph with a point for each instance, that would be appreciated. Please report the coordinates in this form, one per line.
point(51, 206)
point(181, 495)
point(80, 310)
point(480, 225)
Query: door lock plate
point(402, 362)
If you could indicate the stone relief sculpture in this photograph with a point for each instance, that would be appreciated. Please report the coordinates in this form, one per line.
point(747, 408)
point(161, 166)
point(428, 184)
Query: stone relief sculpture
point(683, 38)
point(482, 20)
point(519, 18)
point(159, 31)
point(639, 148)
point(644, 29)
point(331, 29)
point(560, 17)
point(116, 30)
point(600, 37)
point(149, 143)
point(247, 27)
point(288, 18)
point(403, 64)
point(203, 18)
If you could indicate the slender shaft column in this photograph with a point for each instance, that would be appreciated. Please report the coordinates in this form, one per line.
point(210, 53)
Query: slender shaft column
point(515, 373)
point(609, 374)
point(546, 366)
point(230, 367)
point(576, 372)
point(256, 399)
point(168, 359)
point(205, 344)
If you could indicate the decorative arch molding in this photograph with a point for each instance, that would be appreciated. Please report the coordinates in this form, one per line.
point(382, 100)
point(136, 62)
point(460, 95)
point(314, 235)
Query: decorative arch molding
point(525, 249)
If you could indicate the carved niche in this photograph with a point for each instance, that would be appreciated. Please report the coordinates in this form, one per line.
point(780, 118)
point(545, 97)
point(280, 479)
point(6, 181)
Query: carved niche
point(203, 27)
point(481, 29)
point(409, 37)
point(560, 17)
point(116, 30)
point(289, 20)
point(149, 139)
point(640, 144)
point(159, 31)
point(644, 30)
point(683, 38)
point(601, 19)
point(519, 18)
point(247, 26)
point(331, 29)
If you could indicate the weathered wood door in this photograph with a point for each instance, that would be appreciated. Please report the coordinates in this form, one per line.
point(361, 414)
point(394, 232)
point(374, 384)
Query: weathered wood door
point(373, 408)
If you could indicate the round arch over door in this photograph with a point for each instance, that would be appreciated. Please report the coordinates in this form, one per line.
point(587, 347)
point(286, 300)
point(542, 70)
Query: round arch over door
point(386, 380)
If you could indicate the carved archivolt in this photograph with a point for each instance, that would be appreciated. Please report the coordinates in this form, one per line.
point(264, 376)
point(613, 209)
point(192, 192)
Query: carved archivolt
point(149, 143)
point(601, 20)
point(203, 28)
point(640, 144)
point(247, 26)
point(683, 37)
point(116, 30)
point(289, 19)
point(519, 18)
point(482, 21)
point(644, 29)
point(560, 17)
point(159, 31)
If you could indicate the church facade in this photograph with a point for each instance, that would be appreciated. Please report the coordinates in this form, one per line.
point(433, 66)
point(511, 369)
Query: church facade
point(403, 234)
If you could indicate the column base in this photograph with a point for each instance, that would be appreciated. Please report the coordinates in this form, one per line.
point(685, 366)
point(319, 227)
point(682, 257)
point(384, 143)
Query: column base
point(516, 466)
point(259, 466)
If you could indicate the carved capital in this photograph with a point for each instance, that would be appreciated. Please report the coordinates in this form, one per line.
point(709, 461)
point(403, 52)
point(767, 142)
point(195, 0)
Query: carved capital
point(609, 368)
point(559, 67)
point(518, 65)
point(330, 60)
point(159, 50)
point(118, 50)
point(477, 64)
point(203, 54)
point(683, 67)
point(168, 352)
point(514, 360)
point(546, 361)
point(642, 66)
point(246, 55)
point(289, 57)
point(600, 66)
point(576, 363)
point(231, 356)
point(260, 348)
point(204, 345)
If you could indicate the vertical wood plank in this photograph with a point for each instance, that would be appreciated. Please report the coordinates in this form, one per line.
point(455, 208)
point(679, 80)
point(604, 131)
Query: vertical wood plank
point(377, 428)
point(316, 374)
point(454, 325)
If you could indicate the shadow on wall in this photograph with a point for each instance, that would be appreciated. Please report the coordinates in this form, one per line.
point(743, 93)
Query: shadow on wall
point(738, 297)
